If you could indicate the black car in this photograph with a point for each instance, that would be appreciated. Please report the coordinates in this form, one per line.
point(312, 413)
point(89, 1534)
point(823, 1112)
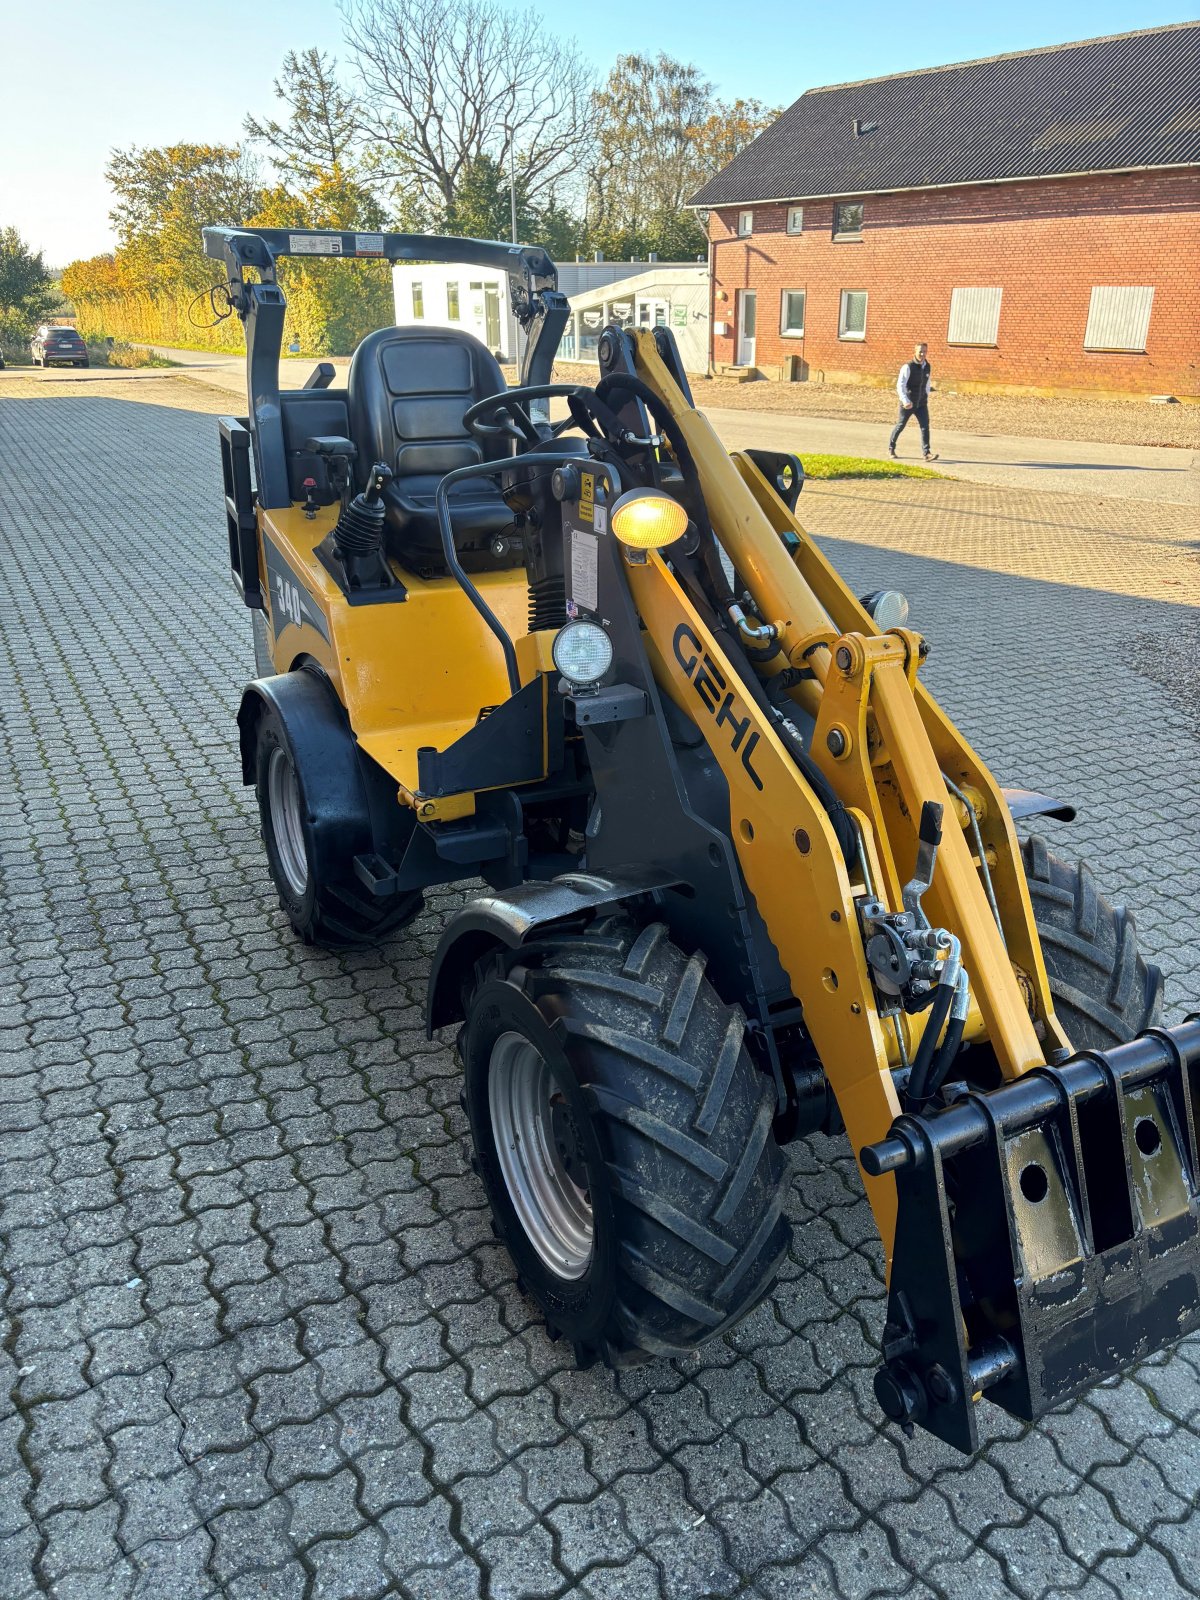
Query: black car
point(54, 344)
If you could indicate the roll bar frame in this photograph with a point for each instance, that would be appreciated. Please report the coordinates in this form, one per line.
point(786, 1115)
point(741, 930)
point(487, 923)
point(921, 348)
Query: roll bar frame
point(534, 295)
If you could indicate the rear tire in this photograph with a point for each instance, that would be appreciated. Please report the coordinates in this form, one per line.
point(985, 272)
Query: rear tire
point(623, 1135)
point(329, 908)
point(1104, 992)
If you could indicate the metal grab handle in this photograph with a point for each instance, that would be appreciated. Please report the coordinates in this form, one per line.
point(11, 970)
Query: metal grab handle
point(483, 469)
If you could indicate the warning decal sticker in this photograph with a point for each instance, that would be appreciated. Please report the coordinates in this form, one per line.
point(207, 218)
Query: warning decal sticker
point(585, 565)
point(322, 244)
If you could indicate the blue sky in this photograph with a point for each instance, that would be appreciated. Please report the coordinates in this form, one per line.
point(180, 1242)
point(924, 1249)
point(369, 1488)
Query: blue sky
point(164, 71)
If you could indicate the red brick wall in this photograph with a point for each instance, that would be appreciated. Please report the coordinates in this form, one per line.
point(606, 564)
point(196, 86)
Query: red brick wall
point(1045, 243)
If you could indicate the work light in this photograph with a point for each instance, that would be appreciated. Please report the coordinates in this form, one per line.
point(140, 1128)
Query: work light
point(644, 519)
point(582, 652)
point(888, 608)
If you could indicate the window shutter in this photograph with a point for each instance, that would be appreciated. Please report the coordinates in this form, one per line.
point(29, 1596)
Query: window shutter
point(1118, 319)
point(974, 316)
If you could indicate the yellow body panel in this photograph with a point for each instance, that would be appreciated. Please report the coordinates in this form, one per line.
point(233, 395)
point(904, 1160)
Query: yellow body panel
point(411, 673)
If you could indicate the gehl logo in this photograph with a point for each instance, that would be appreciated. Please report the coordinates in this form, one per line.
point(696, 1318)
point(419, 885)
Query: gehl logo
point(709, 684)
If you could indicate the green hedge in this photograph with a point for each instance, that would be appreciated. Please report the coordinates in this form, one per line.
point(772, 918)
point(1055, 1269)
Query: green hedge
point(331, 307)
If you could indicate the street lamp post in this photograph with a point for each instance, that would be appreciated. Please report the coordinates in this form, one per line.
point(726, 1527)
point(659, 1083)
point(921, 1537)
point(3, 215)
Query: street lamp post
point(512, 186)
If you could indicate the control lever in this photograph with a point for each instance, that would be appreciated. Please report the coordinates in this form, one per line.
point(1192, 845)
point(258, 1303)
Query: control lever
point(929, 838)
point(355, 545)
point(379, 478)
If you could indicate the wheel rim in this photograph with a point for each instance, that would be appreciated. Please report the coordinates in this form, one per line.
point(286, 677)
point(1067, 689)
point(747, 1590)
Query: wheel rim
point(283, 794)
point(539, 1156)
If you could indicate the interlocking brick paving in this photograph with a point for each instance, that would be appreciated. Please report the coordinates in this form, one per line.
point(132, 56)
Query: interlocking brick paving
point(258, 1339)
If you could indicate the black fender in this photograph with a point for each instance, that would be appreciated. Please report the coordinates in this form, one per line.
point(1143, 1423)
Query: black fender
point(326, 759)
point(511, 919)
point(1026, 803)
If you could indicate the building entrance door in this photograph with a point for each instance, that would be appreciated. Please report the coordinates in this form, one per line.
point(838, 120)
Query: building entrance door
point(747, 317)
point(491, 313)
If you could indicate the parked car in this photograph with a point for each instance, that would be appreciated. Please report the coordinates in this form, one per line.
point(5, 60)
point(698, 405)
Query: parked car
point(51, 344)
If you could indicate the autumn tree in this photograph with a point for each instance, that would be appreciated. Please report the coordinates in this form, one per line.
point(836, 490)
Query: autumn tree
point(331, 304)
point(164, 197)
point(661, 132)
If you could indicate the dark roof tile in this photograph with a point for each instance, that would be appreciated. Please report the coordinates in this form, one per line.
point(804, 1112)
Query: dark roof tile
point(1132, 100)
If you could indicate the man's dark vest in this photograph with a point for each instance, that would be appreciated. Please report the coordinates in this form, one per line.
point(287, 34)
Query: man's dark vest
point(916, 384)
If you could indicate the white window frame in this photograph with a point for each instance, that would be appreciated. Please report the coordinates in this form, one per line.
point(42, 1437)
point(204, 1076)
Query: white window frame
point(849, 234)
point(843, 331)
point(1104, 309)
point(745, 224)
point(968, 304)
point(784, 331)
point(418, 302)
point(795, 219)
point(453, 303)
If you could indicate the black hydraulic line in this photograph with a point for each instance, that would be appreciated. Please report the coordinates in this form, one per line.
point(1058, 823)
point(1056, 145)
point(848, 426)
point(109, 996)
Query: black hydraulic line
point(944, 1059)
point(657, 409)
point(918, 1079)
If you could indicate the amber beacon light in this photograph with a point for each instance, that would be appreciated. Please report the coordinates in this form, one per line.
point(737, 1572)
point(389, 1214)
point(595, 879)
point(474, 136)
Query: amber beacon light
point(647, 520)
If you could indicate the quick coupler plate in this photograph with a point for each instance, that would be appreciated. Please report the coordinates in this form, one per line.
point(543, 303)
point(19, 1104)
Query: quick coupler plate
point(1048, 1234)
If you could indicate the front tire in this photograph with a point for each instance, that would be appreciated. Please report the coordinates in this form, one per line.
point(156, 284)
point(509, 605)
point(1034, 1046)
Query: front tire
point(623, 1135)
point(325, 903)
point(1104, 991)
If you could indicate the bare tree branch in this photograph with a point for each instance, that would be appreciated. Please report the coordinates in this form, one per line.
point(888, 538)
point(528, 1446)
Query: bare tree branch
point(449, 81)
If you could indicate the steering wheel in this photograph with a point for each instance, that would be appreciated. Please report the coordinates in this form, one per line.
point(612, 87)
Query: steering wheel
point(512, 420)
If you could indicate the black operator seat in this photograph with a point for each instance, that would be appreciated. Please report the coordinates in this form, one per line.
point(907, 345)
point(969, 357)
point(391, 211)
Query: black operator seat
point(408, 389)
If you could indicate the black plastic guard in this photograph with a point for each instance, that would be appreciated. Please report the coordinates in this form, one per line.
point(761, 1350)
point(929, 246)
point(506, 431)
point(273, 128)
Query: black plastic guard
point(1048, 1234)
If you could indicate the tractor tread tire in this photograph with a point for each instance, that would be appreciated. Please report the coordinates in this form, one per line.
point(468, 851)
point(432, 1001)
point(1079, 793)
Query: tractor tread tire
point(1105, 993)
point(684, 1120)
point(345, 921)
point(334, 913)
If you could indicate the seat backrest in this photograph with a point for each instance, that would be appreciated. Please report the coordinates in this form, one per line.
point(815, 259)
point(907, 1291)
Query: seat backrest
point(409, 388)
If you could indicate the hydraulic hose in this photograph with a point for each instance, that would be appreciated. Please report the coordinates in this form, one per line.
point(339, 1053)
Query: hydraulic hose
point(952, 1042)
point(917, 1092)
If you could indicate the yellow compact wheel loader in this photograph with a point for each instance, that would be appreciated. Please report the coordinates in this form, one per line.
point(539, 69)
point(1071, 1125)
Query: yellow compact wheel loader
point(743, 878)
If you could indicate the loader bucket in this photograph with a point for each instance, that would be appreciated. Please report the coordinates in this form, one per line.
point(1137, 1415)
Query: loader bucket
point(1048, 1234)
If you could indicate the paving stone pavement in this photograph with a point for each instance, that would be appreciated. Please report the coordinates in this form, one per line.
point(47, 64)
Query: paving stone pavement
point(257, 1338)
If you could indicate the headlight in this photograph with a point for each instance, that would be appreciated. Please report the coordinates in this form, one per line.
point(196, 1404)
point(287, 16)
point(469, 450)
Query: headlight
point(582, 652)
point(647, 520)
point(888, 608)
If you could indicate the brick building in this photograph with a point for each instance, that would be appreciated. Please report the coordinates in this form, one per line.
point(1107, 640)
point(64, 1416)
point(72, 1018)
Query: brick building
point(1035, 218)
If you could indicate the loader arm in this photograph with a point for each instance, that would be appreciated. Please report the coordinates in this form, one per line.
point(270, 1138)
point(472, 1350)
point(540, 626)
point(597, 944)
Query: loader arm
point(1041, 1230)
point(884, 745)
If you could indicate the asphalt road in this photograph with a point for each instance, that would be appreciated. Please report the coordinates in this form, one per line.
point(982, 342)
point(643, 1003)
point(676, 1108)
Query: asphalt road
point(1106, 471)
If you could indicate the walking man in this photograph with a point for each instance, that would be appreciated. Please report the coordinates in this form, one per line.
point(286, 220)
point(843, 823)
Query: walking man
point(913, 388)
